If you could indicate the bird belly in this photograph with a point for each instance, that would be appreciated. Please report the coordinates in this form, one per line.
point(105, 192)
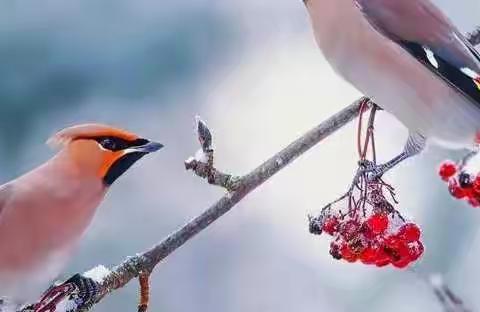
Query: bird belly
point(416, 97)
point(38, 228)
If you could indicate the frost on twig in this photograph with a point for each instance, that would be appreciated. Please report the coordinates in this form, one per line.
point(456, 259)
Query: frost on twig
point(202, 164)
point(474, 37)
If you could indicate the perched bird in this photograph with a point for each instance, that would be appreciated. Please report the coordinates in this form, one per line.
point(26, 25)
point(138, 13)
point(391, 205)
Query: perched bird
point(410, 59)
point(44, 213)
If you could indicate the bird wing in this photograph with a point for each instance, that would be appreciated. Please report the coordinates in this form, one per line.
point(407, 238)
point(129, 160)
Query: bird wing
point(420, 28)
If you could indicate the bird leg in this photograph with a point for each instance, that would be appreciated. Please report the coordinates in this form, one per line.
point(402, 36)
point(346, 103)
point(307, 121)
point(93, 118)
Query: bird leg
point(414, 146)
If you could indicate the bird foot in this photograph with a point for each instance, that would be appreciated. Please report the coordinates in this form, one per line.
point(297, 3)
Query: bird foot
point(78, 291)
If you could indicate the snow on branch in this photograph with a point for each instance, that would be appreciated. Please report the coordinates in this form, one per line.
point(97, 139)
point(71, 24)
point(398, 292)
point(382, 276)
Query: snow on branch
point(202, 164)
point(474, 37)
point(83, 291)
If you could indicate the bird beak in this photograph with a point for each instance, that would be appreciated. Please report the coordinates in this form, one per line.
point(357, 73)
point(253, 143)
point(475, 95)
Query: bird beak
point(149, 147)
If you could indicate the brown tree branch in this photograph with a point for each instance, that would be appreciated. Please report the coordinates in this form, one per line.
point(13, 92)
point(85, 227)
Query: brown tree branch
point(132, 267)
point(147, 261)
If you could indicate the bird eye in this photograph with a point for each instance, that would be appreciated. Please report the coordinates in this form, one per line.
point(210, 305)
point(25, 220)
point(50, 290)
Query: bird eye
point(109, 144)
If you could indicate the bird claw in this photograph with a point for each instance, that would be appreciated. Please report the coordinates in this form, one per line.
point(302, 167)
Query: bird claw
point(80, 290)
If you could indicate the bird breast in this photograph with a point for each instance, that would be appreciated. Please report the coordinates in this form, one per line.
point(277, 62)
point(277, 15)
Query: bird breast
point(41, 221)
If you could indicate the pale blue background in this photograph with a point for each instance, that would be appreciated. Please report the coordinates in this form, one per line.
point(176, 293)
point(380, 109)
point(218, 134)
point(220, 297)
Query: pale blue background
point(252, 69)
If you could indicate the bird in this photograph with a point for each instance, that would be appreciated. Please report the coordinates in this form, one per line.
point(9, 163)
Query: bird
point(411, 60)
point(44, 212)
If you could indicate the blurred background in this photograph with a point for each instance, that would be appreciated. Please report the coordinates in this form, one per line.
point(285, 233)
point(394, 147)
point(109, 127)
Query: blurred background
point(252, 70)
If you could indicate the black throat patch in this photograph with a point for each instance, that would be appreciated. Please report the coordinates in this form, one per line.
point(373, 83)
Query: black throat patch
point(120, 166)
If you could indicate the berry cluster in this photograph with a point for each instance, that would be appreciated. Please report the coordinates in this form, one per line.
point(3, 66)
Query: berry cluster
point(378, 235)
point(364, 225)
point(461, 184)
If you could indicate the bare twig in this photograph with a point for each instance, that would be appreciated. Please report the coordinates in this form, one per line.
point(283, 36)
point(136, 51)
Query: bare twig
point(132, 267)
point(202, 164)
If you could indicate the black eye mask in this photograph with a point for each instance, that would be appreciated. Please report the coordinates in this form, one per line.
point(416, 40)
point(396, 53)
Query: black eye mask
point(118, 144)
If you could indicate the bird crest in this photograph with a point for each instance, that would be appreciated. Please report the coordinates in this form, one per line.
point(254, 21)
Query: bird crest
point(85, 131)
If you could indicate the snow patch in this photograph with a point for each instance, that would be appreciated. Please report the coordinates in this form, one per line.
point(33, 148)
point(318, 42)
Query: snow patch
point(200, 156)
point(98, 273)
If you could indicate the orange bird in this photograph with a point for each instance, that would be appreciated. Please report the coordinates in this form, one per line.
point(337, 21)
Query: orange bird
point(44, 213)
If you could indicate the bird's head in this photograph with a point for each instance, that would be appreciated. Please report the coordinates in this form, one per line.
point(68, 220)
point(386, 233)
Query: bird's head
point(102, 150)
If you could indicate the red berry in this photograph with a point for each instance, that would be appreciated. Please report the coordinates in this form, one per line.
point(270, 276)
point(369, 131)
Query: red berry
point(447, 170)
point(399, 253)
point(382, 258)
point(402, 250)
point(456, 190)
point(335, 250)
point(409, 232)
point(350, 229)
point(330, 226)
point(416, 250)
point(369, 255)
point(474, 202)
point(378, 223)
point(392, 242)
point(476, 185)
point(347, 253)
point(402, 263)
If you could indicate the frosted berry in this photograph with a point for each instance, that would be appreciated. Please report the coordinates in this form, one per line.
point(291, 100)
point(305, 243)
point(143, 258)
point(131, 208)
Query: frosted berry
point(347, 253)
point(392, 243)
point(409, 232)
point(335, 251)
point(447, 170)
point(455, 189)
point(464, 180)
point(416, 250)
point(330, 226)
point(378, 223)
point(474, 202)
point(350, 229)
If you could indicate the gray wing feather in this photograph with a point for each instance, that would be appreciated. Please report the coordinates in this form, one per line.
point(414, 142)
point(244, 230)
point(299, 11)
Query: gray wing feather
point(420, 21)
